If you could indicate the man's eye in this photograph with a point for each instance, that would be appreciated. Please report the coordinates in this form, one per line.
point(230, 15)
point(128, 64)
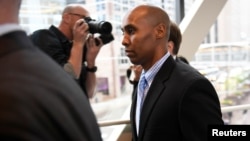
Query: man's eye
point(130, 31)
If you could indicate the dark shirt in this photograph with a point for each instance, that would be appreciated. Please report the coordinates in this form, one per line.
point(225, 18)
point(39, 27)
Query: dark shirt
point(53, 42)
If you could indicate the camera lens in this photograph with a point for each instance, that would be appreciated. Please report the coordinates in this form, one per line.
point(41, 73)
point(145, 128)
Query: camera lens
point(101, 27)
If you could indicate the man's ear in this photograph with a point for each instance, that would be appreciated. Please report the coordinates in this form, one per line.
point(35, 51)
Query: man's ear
point(170, 45)
point(161, 31)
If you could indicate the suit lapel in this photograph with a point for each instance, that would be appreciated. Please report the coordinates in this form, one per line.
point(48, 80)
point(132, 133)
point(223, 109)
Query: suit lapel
point(155, 91)
point(133, 113)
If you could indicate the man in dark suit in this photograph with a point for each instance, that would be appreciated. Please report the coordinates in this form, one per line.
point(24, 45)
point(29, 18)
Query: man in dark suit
point(178, 103)
point(38, 100)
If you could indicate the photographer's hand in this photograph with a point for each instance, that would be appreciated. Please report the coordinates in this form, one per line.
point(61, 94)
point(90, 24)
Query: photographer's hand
point(91, 54)
point(80, 33)
point(92, 50)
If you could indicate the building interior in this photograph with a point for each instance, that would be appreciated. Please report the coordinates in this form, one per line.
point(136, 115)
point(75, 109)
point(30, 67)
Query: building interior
point(215, 42)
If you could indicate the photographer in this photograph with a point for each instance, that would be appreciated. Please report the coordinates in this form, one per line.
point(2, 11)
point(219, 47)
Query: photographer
point(72, 45)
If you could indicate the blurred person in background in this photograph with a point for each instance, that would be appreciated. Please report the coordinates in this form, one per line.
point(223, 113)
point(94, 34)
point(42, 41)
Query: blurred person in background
point(174, 42)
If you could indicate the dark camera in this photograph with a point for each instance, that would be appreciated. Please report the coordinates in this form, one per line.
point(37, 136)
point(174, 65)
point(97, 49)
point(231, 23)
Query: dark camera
point(101, 27)
point(106, 38)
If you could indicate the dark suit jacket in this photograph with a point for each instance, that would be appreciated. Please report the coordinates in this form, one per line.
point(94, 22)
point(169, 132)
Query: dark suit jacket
point(179, 106)
point(38, 100)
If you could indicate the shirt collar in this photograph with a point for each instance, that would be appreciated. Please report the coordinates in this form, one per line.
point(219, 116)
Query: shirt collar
point(7, 28)
point(59, 34)
point(150, 74)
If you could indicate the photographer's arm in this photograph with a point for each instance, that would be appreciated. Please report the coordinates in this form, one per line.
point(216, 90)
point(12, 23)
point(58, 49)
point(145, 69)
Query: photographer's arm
point(79, 35)
point(92, 52)
point(91, 83)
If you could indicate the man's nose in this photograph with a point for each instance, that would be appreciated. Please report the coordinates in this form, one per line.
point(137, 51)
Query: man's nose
point(125, 41)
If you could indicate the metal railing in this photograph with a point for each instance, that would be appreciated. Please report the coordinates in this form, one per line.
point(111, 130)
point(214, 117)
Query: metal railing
point(127, 121)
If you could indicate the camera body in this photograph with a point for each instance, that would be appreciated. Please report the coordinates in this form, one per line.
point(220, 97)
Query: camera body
point(102, 27)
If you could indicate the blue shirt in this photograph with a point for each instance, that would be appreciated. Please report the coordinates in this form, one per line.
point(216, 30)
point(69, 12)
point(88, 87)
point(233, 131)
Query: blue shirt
point(149, 75)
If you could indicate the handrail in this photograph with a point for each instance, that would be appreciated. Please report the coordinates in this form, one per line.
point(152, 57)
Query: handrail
point(235, 108)
point(114, 122)
point(127, 121)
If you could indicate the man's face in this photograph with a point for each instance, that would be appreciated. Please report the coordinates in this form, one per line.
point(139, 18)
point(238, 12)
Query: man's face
point(78, 13)
point(138, 37)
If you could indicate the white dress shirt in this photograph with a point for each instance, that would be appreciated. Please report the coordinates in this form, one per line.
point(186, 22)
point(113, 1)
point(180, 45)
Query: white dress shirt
point(7, 28)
